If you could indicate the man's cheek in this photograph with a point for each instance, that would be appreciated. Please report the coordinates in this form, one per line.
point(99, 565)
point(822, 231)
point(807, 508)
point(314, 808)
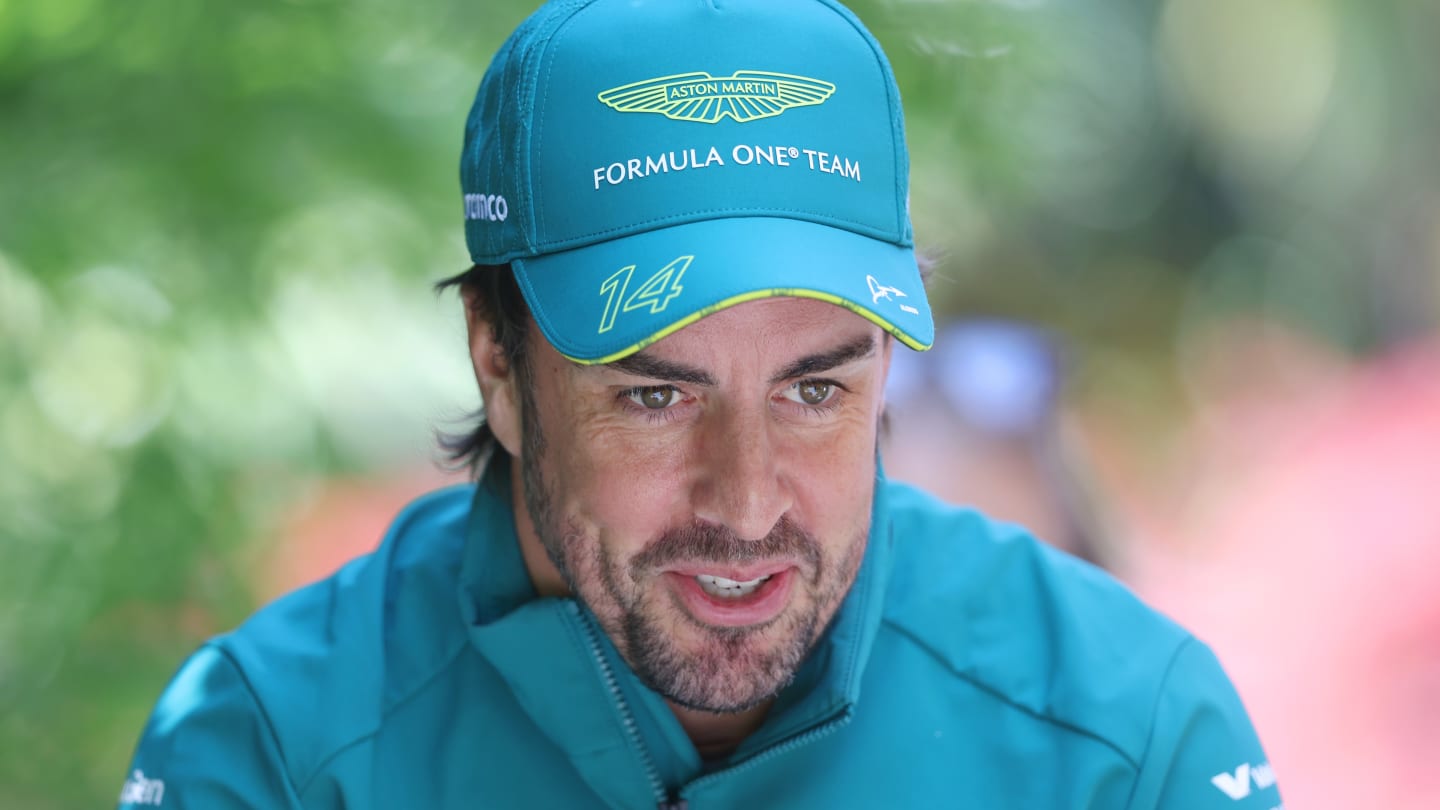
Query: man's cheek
point(620, 508)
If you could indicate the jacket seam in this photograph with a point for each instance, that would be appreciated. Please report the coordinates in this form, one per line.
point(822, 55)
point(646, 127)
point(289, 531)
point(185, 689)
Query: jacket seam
point(264, 716)
point(1006, 699)
point(1155, 713)
point(321, 764)
point(394, 533)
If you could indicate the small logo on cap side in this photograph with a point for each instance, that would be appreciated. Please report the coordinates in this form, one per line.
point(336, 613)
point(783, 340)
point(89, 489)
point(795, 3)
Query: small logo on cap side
point(879, 291)
point(486, 207)
point(746, 96)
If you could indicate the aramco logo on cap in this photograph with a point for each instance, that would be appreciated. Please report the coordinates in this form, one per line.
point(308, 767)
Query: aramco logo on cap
point(746, 96)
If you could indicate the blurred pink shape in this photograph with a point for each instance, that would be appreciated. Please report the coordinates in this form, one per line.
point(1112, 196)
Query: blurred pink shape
point(1307, 553)
point(342, 519)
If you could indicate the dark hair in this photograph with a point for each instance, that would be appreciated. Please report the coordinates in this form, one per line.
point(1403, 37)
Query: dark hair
point(491, 292)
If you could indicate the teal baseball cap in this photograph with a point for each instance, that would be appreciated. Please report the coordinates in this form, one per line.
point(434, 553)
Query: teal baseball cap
point(644, 163)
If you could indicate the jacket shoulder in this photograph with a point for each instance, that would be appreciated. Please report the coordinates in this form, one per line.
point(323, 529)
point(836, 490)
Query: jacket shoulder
point(1048, 633)
point(325, 663)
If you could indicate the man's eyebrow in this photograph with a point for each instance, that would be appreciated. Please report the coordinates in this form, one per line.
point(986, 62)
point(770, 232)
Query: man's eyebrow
point(824, 361)
point(644, 365)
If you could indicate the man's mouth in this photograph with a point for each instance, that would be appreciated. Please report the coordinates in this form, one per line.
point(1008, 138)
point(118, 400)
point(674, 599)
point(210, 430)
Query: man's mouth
point(723, 588)
point(732, 598)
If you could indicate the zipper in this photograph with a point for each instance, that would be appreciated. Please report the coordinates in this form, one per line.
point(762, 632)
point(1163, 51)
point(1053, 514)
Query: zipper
point(627, 718)
point(829, 727)
point(663, 801)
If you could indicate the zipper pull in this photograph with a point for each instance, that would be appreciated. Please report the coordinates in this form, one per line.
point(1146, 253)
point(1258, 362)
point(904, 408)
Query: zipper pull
point(677, 804)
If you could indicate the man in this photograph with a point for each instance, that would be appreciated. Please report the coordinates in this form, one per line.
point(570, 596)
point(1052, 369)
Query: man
point(682, 578)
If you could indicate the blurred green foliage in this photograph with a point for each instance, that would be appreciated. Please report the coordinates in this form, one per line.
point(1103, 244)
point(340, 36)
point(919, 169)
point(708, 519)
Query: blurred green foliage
point(218, 222)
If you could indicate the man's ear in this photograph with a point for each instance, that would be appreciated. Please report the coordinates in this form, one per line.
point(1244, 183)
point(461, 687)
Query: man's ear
point(499, 382)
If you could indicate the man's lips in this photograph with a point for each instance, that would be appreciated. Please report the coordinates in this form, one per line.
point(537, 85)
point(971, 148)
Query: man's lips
point(758, 607)
point(737, 572)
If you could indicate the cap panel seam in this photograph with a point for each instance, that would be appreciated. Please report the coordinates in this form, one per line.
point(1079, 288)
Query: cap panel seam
point(536, 39)
point(512, 165)
point(521, 145)
point(511, 107)
point(892, 89)
point(588, 240)
point(524, 170)
point(561, 31)
point(683, 217)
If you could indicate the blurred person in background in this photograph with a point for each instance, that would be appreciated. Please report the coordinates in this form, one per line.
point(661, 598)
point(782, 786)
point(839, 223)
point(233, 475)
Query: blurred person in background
point(681, 577)
point(978, 419)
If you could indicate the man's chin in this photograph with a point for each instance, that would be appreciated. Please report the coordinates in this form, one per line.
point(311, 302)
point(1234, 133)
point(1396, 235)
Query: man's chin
point(719, 669)
point(720, 704)
point(722, 687)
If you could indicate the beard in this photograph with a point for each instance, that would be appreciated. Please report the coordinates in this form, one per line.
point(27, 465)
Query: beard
point(697, 666)
point(721, 669)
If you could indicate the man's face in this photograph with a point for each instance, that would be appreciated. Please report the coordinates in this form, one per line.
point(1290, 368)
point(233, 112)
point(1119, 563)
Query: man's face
point(709, 498)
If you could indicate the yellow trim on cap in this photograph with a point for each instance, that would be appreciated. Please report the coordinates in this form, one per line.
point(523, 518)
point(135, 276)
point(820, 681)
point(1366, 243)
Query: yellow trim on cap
point(777, 292)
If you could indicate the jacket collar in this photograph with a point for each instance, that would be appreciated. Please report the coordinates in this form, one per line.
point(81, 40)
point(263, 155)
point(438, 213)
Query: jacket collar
point(537, 647)
point(540, 649)
point(828, 683)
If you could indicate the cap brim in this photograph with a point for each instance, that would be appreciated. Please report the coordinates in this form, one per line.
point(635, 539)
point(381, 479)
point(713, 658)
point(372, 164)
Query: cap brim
point(599, 303)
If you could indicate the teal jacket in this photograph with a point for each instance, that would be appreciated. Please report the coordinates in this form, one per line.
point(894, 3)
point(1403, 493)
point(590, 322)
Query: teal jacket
point(969, 667)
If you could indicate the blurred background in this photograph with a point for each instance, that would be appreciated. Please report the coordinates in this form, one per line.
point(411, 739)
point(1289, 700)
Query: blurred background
point(1188, 269)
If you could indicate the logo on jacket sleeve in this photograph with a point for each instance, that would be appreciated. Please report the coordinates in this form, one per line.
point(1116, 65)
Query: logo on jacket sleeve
point(746, 96)
point(1236, 784)
point(138, 790)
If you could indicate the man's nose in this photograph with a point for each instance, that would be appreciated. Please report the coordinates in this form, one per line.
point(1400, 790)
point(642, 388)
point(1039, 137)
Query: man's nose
point(742, 483)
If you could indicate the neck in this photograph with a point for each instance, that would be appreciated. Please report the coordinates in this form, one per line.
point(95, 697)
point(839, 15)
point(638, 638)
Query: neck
point(718, 735)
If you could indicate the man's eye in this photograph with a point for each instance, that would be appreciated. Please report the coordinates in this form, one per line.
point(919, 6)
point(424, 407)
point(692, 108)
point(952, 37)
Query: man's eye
point(810, 392)
point(655, 398)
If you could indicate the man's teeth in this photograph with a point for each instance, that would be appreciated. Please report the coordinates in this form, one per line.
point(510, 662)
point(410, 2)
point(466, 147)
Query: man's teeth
point(728, 588)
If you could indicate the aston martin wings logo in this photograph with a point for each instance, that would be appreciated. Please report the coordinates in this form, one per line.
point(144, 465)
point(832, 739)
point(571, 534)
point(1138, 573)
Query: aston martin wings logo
point(745, 96)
